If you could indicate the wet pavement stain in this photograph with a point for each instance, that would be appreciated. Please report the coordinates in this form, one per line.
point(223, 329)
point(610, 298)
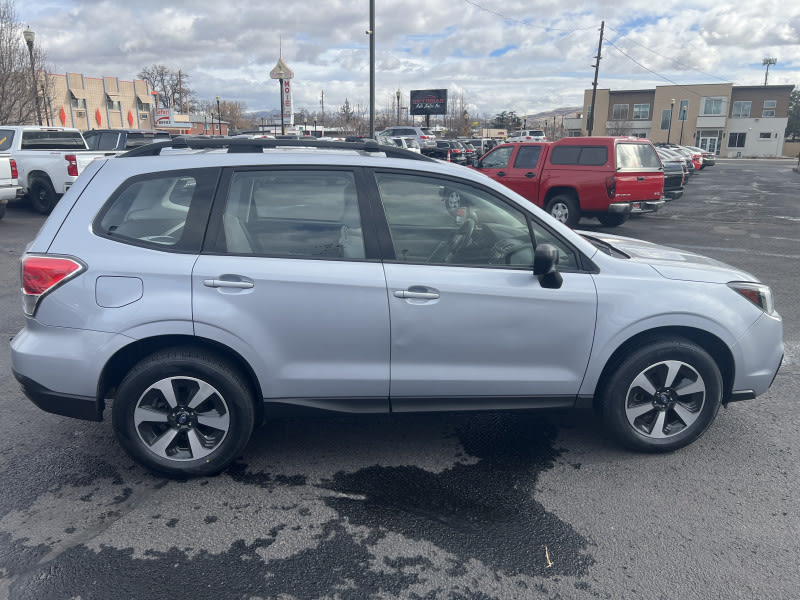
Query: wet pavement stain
point(482, 511)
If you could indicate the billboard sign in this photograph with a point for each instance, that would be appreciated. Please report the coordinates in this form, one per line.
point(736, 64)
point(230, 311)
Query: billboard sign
point(428, 102)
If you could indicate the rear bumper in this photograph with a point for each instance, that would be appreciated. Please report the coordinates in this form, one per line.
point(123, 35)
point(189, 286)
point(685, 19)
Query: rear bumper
point(636, 207)
point(77, 407)
point(673, 194)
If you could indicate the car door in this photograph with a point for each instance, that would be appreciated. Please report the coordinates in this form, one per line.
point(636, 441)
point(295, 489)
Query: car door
point(288, 280)
point(469, 321)
point(516, 167)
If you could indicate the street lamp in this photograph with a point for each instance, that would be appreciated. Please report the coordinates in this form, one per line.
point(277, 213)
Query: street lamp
point(770, 60)
point(671, 108)
point(29, 36)
point(397, 93)
point(219, 117)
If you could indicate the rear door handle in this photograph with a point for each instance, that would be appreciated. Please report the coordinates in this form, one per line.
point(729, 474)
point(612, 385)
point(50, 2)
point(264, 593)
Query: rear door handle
point(224, 283)
point(640, 178)
point(501, 173)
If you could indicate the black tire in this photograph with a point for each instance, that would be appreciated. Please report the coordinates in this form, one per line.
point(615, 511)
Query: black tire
point(612, 220)
point(564, 208)
point(662, 396)
point(42, 196)
point(159, 427)
point(3, 210)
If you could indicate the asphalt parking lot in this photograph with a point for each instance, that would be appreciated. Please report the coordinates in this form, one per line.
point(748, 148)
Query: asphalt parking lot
point(514, 505)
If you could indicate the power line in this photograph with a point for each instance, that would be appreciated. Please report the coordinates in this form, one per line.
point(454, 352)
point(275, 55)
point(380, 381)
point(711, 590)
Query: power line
point(667, 79)
point(673, 60)
point(521, 22)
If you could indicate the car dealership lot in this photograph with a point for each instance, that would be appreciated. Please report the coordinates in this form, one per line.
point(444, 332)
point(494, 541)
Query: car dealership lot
point(482, 506)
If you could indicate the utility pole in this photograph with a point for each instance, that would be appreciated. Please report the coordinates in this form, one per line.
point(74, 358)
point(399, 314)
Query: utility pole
point(590, 123)
point(322, 104)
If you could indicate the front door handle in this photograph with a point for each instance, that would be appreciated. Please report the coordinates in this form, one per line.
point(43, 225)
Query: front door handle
point(224, 283)
point(418, 295)
point(530, 174)
point(501, 173)
point(640, 178)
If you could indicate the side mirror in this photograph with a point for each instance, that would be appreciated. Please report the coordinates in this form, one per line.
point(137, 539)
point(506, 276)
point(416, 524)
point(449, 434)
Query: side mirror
point(476, 162)
point(545, 259)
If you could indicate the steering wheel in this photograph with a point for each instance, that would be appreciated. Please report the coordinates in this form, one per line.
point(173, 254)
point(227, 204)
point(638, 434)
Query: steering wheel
point(460, 238)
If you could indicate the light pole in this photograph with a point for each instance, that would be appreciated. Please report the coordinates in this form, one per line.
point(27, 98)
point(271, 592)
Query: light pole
point(768, 61)
point(29, 36)
point(219, 117)
point(671, 108)
point(397, 93)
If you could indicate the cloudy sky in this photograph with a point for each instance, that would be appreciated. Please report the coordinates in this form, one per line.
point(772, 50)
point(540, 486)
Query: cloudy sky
point(522, 55)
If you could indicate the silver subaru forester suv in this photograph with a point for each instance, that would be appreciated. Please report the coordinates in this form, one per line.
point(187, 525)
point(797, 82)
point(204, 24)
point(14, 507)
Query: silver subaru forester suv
point(197, 285)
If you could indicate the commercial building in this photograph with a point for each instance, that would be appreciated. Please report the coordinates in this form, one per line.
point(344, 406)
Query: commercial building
point(730, 120)
point(75, 100)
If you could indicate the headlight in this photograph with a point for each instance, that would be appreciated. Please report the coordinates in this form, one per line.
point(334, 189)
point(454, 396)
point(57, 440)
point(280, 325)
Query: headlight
point(758, 293)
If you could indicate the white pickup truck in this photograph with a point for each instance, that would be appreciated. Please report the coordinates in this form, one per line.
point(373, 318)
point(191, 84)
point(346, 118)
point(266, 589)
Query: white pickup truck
point(49, 160)
point(8, 181)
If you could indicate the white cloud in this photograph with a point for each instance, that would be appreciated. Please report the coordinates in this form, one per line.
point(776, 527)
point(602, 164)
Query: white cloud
point(546, 48)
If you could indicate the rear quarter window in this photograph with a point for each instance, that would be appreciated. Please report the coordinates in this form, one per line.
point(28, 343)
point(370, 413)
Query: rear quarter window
point(579, 155)
point(168, 210)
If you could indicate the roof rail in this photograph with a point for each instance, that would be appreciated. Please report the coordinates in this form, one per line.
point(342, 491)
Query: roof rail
point(257, 145)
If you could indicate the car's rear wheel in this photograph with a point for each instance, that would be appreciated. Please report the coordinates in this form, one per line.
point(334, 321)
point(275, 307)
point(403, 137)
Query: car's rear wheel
point(663, 395)
point(42, 196)
point(564, 208)
point(612, 220)
point(184, 412)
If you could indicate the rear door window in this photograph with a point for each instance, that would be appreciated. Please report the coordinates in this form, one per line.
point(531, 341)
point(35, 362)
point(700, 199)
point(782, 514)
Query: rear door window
point(299, 213)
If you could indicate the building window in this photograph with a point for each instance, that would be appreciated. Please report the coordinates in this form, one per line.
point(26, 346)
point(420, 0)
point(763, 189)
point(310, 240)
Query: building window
point(736, 140)
point(112, 104)
point(765, 135)
point(620, 112)
point(683, 110)
point(741, 110)
point(769, 108)
point(666, 118)
point(79, 103)
point(712, 107)
point(641, 112)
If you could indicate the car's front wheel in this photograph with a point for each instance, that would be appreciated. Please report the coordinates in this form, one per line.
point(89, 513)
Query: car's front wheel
point(663, 395)
point(183, 412)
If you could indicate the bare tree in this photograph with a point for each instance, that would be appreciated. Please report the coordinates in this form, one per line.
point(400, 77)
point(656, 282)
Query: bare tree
point(17, 83)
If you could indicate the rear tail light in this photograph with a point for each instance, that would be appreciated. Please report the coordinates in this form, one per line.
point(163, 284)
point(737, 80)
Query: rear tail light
point(758, 293)
point(72, 165)
point(611, 186)
point(14, 171)
point(42, 274)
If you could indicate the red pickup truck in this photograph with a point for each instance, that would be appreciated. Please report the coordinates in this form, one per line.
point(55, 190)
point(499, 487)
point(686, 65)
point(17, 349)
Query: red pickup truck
point(609, 178)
